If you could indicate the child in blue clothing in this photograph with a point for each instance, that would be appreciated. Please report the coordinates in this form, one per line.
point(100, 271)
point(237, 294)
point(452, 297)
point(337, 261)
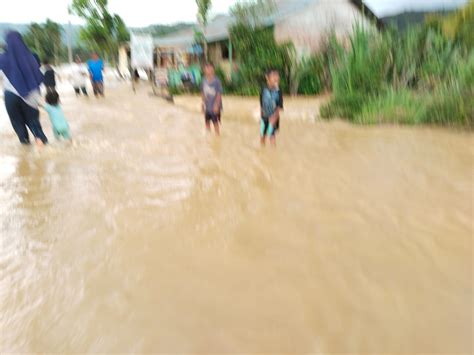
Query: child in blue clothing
point(56, 115)
point(271, 103)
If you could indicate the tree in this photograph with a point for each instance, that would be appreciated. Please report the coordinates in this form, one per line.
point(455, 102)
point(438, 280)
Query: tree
point(253, 12)
point(204, 6)
point(256, 47)
point(103, 31)
point(45, 40)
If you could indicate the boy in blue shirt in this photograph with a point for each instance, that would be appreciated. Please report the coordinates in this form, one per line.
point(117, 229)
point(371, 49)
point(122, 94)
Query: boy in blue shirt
point(56, 115)
point(271, 103)
point(96, 66)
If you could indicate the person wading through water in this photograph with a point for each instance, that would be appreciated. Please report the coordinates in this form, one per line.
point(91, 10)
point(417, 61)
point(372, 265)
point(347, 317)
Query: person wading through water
point(22, 79)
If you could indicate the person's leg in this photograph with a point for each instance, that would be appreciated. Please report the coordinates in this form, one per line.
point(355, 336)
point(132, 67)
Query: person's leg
point(84, 91)
point(273, 140)
point(263, 130)
point(101, 89)
point(207, 119)
point(66, 134)
point(77, 91)
point(216, 122)
point(17, 119)
point(272, 131)
point(32, 121)
point(94, 88)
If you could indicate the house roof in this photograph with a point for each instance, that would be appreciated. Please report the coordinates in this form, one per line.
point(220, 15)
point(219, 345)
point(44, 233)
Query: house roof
point(368, 12)
point(218, 29)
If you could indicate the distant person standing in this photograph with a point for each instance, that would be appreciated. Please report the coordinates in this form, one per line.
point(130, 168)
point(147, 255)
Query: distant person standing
point(96, 68)
point(271, 104)
point(211, 98)
point(49, 76)
point(22, 78)
point(79, 73)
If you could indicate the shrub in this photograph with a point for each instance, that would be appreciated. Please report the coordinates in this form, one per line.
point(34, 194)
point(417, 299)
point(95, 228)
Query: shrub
point(311, 76)
point(394, 107)
point(415, 77)
point(258, 52)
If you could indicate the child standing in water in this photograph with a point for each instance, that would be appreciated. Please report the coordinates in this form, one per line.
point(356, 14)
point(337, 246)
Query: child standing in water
point(96, 68)
point(49, 77)
point(56, 115)
point(211, 98)
point(271, 103)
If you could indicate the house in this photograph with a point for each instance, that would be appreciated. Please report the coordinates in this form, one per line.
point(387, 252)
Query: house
point(306, 23)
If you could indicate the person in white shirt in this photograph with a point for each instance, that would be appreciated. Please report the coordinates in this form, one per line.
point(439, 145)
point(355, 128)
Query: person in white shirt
point(79, 75)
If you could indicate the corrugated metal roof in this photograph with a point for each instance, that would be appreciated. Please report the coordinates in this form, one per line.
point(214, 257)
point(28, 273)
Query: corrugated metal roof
point(218, 28)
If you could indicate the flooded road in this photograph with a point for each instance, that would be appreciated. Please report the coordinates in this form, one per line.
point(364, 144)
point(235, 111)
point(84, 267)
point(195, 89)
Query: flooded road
point(148, 235)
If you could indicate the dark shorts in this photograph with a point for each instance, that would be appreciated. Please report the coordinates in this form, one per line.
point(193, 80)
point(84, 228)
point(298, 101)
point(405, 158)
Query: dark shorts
point(98, 87)
point(78, 90)
point(214, 117)
point(265, 125)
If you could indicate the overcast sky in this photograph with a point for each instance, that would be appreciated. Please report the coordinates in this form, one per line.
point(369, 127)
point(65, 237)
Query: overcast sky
point(138, 13)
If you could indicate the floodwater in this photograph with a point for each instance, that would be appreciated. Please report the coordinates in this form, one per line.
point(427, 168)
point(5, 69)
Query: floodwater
point(149, 235)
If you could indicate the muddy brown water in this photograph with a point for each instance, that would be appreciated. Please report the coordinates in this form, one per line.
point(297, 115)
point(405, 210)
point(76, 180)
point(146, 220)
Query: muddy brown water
point(148, 235)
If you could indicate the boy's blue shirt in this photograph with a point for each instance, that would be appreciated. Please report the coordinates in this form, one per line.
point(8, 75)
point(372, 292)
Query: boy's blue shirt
point(95, 68)
point(270, 100)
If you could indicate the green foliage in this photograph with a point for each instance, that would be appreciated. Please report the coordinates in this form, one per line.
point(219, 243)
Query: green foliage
point(204, 6)
point(252, 12)
point(364, 68)
point(257, 52)
point(103, 31)
point(419, 76)
point(220, 73)
point(395, 106)
point(45, 40)
point(311, 81)
point(459, 26)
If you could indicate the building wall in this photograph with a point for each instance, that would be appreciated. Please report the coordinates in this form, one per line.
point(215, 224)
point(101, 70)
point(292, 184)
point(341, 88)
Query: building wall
point(123, 61)
point(309, 28)
point(215, 53)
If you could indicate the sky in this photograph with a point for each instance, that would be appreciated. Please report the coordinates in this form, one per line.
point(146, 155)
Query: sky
point(138, 13)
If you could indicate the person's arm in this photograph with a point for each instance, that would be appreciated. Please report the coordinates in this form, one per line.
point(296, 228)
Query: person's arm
point(218, 100)
point(276, 115)
point(203, 99)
